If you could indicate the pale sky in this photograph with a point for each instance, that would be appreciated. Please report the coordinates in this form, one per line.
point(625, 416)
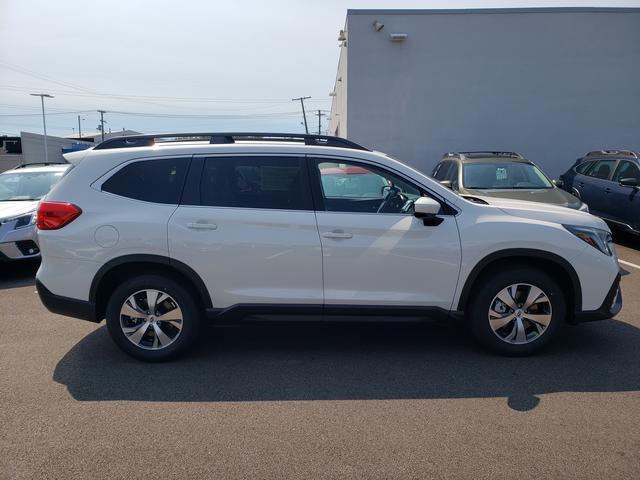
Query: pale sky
point(211, 65)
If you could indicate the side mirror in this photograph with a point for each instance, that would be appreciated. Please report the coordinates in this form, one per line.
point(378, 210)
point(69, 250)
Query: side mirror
point(559, 183)
point(629, 182)
point(446, 183)
point(427, 208)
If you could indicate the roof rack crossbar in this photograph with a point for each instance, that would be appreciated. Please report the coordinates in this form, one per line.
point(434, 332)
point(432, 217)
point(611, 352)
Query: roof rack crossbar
point(131, 141)
point(46, 164)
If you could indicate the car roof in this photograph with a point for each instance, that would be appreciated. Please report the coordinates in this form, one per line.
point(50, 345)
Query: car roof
point(40, 168)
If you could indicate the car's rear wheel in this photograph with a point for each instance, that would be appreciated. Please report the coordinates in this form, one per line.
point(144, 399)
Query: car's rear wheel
point(516, 312)
point(152, 318)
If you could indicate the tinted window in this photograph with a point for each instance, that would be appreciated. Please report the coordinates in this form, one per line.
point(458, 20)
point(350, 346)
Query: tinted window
point(627, 170)
point(255, 182)
point(159, 180)
point(601, 169)
point(442, 170)
point(583, 168)
point(352, 187)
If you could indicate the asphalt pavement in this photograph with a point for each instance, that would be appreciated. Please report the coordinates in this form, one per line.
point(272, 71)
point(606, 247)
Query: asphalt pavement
point(317, 401)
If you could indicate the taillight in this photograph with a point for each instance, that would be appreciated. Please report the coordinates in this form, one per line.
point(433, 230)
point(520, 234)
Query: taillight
point(55, 215)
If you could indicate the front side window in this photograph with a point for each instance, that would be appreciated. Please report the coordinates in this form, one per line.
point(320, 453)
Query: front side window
point(503, 175)
point(27, 186)
point(602, 169)
point(256, 182)
point(158, 180)
point(351, 187)
point(442, 170)
point(627, 170)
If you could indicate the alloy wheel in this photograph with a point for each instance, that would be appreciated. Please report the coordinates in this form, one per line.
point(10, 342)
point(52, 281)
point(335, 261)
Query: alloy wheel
point(151, 319)
point(520, 313)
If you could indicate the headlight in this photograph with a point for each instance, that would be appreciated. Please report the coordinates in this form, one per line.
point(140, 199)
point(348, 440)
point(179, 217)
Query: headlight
point(584, 207)
point(24, 220)
point(597, 238)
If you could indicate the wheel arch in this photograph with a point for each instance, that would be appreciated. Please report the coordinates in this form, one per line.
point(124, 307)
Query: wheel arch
point(120, 268)
point(547, 261)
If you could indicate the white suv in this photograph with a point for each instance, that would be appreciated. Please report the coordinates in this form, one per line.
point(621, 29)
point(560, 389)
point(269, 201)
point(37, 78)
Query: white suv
point(154, 233)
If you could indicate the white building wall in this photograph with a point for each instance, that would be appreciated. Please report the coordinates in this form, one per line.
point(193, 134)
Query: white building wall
point(33, 147)
point(551, 84)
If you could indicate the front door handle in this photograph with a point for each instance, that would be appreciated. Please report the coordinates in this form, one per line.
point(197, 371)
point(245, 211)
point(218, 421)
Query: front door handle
point(202, 225)
point(337, 234)
point(607, 190)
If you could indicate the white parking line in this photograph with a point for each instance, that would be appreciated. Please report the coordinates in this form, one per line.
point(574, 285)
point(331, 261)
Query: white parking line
point(629, 264)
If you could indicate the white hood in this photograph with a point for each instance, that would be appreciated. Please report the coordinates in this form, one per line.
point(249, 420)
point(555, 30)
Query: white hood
point(545, 212)
point(14, 209)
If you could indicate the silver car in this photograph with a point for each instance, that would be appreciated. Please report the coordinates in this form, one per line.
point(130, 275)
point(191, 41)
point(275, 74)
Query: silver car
point(20, 191)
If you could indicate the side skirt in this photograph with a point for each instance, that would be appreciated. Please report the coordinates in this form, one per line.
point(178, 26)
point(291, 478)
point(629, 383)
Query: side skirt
point(348, 313)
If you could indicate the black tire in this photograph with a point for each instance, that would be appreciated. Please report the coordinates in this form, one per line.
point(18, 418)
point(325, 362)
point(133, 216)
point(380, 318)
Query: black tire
point(191, 317)
point(487, 288)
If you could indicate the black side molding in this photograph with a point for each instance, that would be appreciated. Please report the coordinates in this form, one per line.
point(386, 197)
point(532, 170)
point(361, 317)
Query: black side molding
point(240, 311)
point(523, 253)
point(69, 307)
point(610, 307)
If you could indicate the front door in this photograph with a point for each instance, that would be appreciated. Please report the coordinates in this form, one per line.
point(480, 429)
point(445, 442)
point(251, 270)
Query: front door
point(623, 202)
point(246, 225)
point(593, 184)
point(375, 252)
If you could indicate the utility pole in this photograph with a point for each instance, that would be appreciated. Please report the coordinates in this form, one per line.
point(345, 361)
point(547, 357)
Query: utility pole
point(304, 115)
point(320, 115)
point(44, 122)
point(102, 112)
point(79, 129)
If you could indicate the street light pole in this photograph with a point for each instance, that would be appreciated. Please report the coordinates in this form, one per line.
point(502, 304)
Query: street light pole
point(44, 122)
point(79, 129)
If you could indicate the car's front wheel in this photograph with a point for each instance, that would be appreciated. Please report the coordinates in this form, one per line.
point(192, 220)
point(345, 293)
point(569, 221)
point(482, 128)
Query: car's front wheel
point(152, 318)
point(517, 311)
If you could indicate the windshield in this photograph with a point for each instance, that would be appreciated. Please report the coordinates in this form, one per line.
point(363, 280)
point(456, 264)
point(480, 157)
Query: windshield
point(503, 175)
point(27, 185)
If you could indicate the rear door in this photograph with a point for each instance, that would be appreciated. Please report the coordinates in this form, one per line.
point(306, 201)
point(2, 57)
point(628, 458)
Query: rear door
point(375, 252)
point(593, 183)
point(623, 203)
point(246, 225)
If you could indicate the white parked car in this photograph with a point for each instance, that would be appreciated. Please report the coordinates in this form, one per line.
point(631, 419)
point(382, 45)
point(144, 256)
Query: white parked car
point(20, 191)
point(155, 233)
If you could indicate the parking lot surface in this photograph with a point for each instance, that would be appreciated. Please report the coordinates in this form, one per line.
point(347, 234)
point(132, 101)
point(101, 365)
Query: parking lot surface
point(318, 400)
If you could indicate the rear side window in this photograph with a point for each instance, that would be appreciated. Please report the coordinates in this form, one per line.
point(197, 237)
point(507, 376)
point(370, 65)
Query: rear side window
point(601, 169)
point(583, 168)
point(158, 180)
point(256, 182)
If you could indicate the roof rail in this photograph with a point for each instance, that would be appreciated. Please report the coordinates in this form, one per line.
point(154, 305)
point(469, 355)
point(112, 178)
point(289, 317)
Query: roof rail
point(485, 153)
point(131, 141)
point(45, 164)
point(616, 153)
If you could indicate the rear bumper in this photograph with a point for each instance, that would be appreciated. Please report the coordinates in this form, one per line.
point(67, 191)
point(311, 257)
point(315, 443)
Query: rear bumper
point(610, 307)
point(69, 307)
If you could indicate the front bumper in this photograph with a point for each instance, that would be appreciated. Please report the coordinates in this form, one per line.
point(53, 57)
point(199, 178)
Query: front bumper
point(18, 244)
point(610, 307)
point(69, 307)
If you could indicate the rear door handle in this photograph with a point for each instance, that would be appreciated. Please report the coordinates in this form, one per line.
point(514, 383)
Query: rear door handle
point(337, 234)
point(581, 184)
point(202, 225)
point(607, 190)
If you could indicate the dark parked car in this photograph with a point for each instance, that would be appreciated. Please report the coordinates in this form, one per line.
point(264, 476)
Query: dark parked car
point(608, 180)
point(501, 174)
